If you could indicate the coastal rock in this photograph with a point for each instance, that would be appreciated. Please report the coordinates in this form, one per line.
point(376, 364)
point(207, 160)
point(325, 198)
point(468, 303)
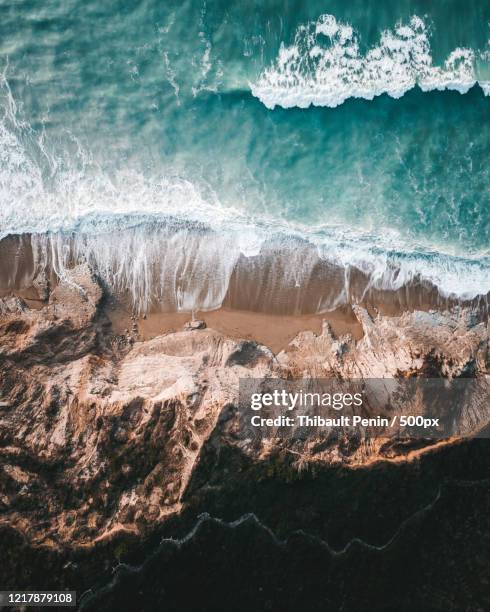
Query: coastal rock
point(414, 343)
point(194, 324)
point(100, 437)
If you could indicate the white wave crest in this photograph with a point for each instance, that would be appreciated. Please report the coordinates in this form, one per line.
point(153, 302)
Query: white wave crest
point(325, 66)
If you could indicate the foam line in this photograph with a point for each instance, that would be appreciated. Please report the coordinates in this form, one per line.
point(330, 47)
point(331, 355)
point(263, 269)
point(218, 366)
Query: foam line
point(325, 66)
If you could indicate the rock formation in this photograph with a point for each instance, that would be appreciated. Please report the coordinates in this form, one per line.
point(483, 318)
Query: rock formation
point(103, 436)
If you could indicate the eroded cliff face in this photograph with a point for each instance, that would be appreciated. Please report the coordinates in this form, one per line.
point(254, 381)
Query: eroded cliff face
point(102, 434)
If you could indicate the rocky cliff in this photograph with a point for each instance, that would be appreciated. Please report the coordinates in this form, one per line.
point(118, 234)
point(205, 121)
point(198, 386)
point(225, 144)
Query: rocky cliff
point(104, 436)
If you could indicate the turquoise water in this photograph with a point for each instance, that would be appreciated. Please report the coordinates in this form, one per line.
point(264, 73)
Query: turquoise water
point(362, 127)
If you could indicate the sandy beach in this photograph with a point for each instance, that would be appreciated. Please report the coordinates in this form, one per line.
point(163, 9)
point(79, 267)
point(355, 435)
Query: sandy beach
point(271, 330)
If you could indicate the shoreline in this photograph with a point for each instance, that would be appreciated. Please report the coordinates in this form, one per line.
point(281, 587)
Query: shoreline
point(163, 281)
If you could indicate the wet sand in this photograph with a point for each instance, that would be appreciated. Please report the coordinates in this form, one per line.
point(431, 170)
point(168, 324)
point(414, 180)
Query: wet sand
point(271, 283)
point(261, 302)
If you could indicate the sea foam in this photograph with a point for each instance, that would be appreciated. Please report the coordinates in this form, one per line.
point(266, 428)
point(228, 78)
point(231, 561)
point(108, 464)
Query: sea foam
point(171, 241)
point(324, 66)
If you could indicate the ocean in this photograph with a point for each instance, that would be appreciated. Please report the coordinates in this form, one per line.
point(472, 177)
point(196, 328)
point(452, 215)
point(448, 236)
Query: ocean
point(293, 152)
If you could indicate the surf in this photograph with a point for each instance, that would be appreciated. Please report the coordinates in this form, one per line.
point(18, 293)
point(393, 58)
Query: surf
point(326, 65)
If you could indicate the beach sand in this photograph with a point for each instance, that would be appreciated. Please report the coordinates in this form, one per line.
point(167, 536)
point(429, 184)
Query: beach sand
point(273, 331)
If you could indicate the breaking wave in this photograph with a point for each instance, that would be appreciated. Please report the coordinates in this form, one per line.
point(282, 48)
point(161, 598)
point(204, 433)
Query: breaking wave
point(164, 263)
point(170, 243)
point(325, 65)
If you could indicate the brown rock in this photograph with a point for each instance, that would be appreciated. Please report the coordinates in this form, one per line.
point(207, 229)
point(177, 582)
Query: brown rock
point(140, 415)
point(194, 324)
